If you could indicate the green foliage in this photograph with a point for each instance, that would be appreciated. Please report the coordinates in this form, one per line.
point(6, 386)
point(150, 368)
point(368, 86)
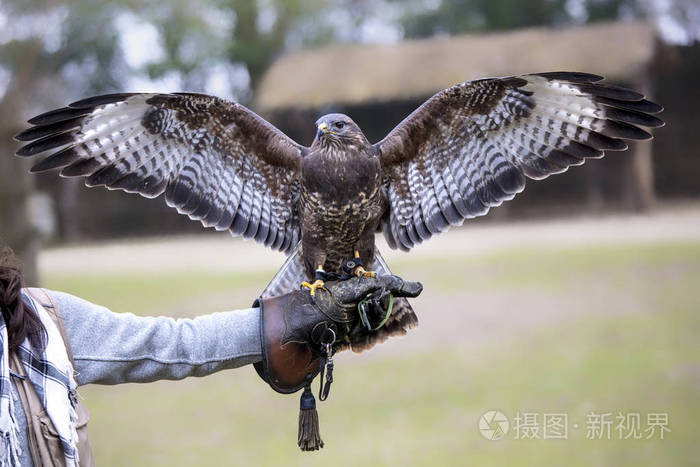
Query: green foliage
point(75, 48)
point(249, 33)
point(468, 16)
point(193, 35)
point(464, 16)
point(90, 43)
point(598, 10)
point(70, 46)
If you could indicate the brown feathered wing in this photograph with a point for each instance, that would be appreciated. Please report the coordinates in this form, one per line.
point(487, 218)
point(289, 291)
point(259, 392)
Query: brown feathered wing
point(216, 161)
point(471, 146)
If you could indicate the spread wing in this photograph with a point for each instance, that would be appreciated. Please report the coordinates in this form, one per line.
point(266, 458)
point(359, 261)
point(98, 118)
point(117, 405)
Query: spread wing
point(471, 146)
point(215, 160)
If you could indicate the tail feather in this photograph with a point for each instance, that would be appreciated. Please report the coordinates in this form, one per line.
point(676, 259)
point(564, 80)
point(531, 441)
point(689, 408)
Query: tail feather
point(289, 277)
point(402, 318)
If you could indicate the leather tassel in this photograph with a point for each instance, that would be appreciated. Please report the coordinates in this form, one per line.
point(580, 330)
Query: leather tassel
point(309, 434)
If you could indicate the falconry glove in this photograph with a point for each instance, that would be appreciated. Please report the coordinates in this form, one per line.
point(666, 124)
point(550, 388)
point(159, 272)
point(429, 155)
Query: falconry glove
point(300, 334)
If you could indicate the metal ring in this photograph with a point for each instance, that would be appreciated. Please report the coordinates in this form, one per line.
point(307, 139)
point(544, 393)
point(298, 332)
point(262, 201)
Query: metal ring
point(331, 342)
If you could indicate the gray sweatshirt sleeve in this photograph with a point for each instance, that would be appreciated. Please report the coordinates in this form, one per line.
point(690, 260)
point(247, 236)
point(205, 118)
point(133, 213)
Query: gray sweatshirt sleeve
point(113, 348)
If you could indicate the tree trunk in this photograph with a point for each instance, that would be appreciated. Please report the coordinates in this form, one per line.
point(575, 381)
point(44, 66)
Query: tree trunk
point(16, 229)
point(16, 184)
point(641, 195)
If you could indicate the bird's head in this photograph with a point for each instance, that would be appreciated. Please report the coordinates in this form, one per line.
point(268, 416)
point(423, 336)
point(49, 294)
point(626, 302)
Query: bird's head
point(338, 128)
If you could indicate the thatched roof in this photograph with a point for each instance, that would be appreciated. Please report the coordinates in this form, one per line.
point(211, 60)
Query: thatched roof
point(351, 74)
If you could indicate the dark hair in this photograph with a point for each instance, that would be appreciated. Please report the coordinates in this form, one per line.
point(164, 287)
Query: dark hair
point(20, 318)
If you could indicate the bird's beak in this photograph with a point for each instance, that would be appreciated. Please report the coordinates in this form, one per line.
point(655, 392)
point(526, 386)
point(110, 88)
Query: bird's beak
point(322, 129)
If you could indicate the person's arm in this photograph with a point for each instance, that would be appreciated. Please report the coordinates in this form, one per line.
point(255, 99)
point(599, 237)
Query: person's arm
point(113, 348)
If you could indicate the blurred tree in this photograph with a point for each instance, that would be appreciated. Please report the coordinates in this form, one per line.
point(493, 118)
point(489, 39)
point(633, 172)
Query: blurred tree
point(256, 44)
point(463, 16)
point(239, 37)
point(47, 52)
point(467, 16)
point(15, 186)
point(601, 10)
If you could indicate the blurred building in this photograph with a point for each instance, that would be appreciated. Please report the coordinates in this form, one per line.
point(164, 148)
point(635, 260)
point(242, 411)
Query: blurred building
point(355, 75)
point(380, 85)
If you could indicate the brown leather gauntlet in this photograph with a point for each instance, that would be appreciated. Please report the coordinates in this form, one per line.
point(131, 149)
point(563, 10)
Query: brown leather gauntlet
point(294, 327)
point(300, 333)
point(288, 362)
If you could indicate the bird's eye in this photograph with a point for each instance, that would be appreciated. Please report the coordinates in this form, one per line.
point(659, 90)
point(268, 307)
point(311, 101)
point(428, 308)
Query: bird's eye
point(339, 125)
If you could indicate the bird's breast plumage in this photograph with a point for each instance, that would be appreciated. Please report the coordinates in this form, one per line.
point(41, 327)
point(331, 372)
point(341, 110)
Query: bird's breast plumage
point(340, 200)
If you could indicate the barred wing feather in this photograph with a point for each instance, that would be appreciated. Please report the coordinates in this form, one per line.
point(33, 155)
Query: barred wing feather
point(472, 146)
point(216, 161)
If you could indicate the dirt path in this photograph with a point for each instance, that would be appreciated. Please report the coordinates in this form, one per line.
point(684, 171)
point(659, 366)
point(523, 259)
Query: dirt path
point(464, 320)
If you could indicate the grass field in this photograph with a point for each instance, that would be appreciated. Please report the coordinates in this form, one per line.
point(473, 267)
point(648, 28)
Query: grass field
point(574, 330)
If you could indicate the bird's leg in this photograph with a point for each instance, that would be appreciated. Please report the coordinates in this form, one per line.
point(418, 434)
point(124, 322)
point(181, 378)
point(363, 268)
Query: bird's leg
point(319, 281)
point(355, 266)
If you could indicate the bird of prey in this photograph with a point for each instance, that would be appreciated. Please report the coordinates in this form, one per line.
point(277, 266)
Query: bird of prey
point(466, 149)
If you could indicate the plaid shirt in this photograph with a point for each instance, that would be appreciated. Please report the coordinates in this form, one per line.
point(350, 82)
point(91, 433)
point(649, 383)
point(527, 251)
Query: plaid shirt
point(51, 375)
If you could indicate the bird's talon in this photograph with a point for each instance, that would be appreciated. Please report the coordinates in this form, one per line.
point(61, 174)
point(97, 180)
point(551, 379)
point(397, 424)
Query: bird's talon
point(318, 284)
point(361, 272)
